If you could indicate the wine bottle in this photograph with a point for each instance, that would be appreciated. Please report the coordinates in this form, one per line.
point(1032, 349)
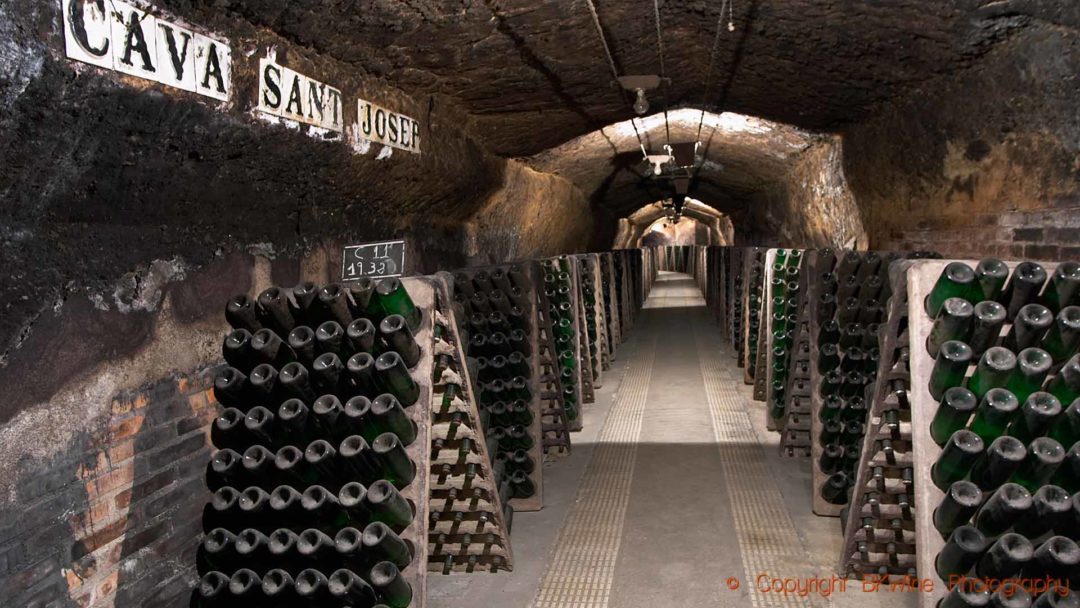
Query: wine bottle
point(1067, 475)
point(393, 462)
point(361, 371)
point(390, 585)
point(1058, 559)
point(226, 469)
point(253, 549)
point(267, 347)
point(1029, 327)
point(322, 508)
point(950, 367)
point(1063, 338)
point(395, 300)
point(255, 504)
point(832, 458)
point(296, 382)
point(1043, 458)
point(996, 411)
point(241, 313)
point(321, 457)
point(223, 510)
point(994, 369)
point(229, 431)
point(263, 385)
point(326, 414)
point(988, 319)
point(383, 544)
point(836, 487)
point(1036, 416)
point(960, 503)
point(1066, 383)
point(328, 376)
point(334, 304)
point(279, 588)
point(286, 505)
point(385, 504)
point(231, 389)
point(302, 341)
point(966, 593)
point(1066, 429)
point(1007, 504)
point(361, 336)
point(1027, 281)
point(395, 332)
point(952, 414)
point(998, 464)
point(330, 338)
point(346, 586)
point(304, 307)
point(292, 419)
point(313, 587)
point(259, 466)
point(388, 416)
point(1005, 558)
point(991, 274)
point(218, 552)
point(957, 280)
point(955, 321)
point(283, 542)
point(961, 552)
point(393, 377)
point(236, 348)
point(245, 587)
point(292, 468)
point(1050, 505)
point(956, 459)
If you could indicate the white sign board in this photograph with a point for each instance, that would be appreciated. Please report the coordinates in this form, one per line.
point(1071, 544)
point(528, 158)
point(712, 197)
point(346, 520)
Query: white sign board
point(379, 125)
point(118, 36)
point(288, 94)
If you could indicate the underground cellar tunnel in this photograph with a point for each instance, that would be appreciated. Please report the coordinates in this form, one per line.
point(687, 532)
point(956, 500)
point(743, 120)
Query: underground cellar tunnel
point(543, 303)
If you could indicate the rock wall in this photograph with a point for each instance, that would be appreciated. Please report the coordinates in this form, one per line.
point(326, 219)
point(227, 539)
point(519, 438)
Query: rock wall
point(983, 163)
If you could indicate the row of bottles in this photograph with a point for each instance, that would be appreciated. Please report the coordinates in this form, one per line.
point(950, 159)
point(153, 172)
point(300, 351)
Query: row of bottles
point(755, 278)
point(313, 470)
point(784, 310)
point(562, 312)
point(851, 296)
point(590, 294)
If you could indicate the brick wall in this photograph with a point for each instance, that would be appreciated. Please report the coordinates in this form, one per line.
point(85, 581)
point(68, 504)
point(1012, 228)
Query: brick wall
point(115, 520)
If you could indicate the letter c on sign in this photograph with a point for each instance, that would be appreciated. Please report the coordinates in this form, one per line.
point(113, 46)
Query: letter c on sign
point(76, 16)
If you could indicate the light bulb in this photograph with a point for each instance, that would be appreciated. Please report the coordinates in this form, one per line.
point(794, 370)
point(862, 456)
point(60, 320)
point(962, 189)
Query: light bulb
point(641, 105)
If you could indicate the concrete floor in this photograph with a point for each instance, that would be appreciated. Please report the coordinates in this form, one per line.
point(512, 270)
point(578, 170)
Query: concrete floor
point(674, 495)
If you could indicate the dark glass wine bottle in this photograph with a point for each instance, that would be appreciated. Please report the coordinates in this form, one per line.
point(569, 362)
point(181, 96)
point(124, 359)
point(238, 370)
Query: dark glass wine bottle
point(385, 504)
point(228, 430)
point(231, 389)
point(994, 369)
point(383, 544)
point(391, 586)
point(955, 321)
point(998, 464)
point(334, 304)
point(957, 280)
point(1037, 414)
point(313, 587)
point(1063, 338)
point(1064, 286)
point(835, 490)
point(959, 505)
point(1043, 458)
point(1024, 286)
point(1002, 509)
point(988, 319)
point(296, 382)
point(245, 587)
point(268, 347)
point(393, 377)
point(399, 338)
point(393, 462)
point(279, 588)
point(394, 299)
point(961, 552)
point(950, 367)
point(1029, 327)
point(388, 416)
point(347, 586)
point(1050, 505)
point(302, 341)
point(952, 414)
point(991, 275)
point(241, 312)
point(236, 348)
point(1005, 558)
point(995, 413)
point(956, 459)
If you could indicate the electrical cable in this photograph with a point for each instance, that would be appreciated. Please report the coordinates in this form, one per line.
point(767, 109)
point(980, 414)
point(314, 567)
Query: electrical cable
point(663, 72)
point(614, 70)
point(712, 63)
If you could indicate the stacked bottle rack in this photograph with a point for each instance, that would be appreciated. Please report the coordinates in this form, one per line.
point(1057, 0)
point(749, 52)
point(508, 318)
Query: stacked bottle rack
point(798, 409)
point(588, 357)
point(782, 305)
point(328, 502)
point(996, 424)
point(753, 294)
point(592, 299)
point(563, 294)
point(844, 347)
point(469, 511)
point(879, 524)
point(737, 303)
point(503, 343)
point(610, 306)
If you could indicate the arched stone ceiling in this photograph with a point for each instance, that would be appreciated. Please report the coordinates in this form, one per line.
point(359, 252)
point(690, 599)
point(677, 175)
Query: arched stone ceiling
point(742, 156)
point(532, 74)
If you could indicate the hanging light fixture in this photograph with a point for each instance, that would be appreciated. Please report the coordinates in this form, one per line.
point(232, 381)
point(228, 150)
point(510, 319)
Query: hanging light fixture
point(639, 84)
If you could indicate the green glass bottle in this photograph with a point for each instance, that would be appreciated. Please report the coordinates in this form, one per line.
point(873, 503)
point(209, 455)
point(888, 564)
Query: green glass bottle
point(828, 357)
point(393, 377)
point(957, 280)
point(952, 413)
point(995, 368)
point(1065, 385)
point(393, 299)
point(835, 489)
point(1027, 281)
point(996, 411)
point(957, 507)
point(392, 461)
point(1066, 429)
point(966, 592)
point(991, 274)
point(390, 585)
point(387, 505)
point(988, 319)
point(386, 415)
point(954, 322)
point(1000, 461)
point(964, 548)
point(950, 367)
point(1037, 414)
point(1064, 287)
point(1007, 504)
point(1043, 458)
point(1005, 558)
point(1032, 366)
point(1063, 338)
point(1067, 475)
point(956, 459)
point(1029, 327)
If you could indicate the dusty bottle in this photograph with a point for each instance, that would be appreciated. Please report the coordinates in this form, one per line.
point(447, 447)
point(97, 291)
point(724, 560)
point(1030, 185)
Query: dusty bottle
point(957, 280)
point(991, 275)
point(361, 371)
point(996, 411)
point(347, 586)
point(1032, 366)
point(961, 552)
point(334, 304)
point(302, 341)
point(361, 336)
point(950, 367)
point(241, 312)
point(955, 321)
point(1027, 281)
point(391, 586)
point(388, 416)
point(1050, 505)
point(1044, 457)
point(395, 300)
point(960, 503)
point(1064, 287)
point(399, 338)
point(1028, 328)
point(1037, 414)
point(952, 414)
point(296, 382)
point(988, 319)
point(956, 458)
point(1005, 558)
point(236, 349)
point(1063, 337)
point(1002, 509)
point(330, 338)
point(393, 377)
point(998, 464)
point(387, 505)
point(274, 311)
point(995, 367)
